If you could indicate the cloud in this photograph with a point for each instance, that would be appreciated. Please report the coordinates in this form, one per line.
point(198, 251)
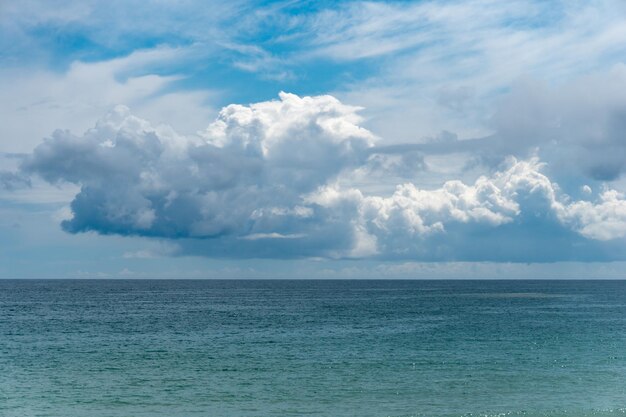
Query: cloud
point(86, 28)
point(13, 180)
point(604, 220)
point(444, 65)
point(577, 126)
point(241, 178)
point(75, 98)
point(269, 180)
point(257, 236)
point(516, 214)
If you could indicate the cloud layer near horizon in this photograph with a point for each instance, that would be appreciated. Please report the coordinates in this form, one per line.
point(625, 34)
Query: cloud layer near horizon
point(269, 180)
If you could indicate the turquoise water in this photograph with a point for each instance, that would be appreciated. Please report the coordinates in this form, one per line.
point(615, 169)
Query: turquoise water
point(317, 348)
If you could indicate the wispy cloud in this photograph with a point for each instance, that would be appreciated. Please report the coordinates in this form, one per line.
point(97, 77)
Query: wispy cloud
point(75, 98)
point(426, 49)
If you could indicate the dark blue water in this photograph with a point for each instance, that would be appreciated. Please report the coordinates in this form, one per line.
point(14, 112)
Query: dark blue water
point(321, 348)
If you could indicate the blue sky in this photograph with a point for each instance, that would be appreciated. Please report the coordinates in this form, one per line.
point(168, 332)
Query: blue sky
point(313, 139)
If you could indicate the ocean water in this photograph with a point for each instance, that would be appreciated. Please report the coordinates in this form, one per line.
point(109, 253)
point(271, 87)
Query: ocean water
point(312, 348)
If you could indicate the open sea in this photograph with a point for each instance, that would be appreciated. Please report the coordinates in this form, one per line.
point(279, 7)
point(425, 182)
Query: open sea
point(312, 348)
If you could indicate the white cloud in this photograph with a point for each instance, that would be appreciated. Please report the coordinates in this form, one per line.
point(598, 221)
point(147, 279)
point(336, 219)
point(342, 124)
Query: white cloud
point(267, 180)
point(242, 178)
point(257, 236)
point(84, 92)
point(404, 221)
point(604, 220)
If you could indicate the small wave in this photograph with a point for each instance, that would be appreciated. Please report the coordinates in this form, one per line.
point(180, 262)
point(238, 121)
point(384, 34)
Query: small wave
point(513, 295)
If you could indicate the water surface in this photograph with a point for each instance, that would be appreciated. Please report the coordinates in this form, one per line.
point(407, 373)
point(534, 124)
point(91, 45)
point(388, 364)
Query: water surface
point(318, 348)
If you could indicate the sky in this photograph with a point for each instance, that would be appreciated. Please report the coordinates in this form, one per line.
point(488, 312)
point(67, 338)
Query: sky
point(313, 139)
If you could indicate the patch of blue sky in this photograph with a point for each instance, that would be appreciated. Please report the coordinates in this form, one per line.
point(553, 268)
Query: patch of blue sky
point(272, 37)
point(69, 43)
point(240, 86)
point(540, 15)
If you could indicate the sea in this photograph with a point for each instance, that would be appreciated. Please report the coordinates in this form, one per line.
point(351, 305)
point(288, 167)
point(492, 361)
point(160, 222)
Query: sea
point(312, 348)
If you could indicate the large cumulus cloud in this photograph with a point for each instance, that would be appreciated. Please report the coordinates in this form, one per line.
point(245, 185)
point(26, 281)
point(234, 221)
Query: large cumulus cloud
point(516, 214)
point(242, 178)
point(265, 180)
